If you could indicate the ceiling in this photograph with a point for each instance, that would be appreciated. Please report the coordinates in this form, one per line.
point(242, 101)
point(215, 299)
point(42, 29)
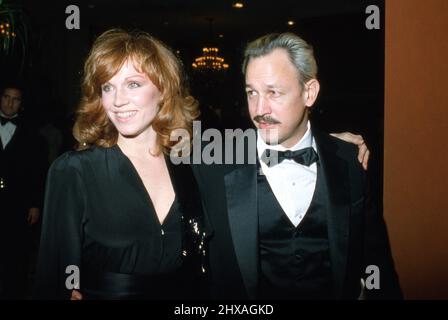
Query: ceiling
point(187, 25)
point(191, 18)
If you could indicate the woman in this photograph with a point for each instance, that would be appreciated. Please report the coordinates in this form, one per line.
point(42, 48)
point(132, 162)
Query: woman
point(120, 221)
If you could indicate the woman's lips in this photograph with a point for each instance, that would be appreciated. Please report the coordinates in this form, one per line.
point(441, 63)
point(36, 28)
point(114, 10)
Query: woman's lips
point(125, 116)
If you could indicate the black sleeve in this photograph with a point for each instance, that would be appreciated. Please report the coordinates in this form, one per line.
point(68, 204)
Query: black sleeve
point(61, 238)
point(378, 251)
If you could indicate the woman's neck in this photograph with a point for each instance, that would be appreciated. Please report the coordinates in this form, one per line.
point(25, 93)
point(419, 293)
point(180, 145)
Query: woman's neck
point(142, 146)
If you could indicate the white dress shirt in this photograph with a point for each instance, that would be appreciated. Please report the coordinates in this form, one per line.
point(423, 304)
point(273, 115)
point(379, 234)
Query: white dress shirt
point(293, 184)
point(6, 131)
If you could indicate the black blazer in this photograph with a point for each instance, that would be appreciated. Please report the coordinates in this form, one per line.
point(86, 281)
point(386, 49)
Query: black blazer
point(23, 165)
point(356, 230)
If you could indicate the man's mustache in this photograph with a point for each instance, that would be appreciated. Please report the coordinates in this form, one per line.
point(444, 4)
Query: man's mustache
point(266, 119)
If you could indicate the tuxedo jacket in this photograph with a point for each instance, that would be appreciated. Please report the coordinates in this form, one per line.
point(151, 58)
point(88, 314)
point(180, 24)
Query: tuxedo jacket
point(22, 170)
point(357, 233)
point(23, 164)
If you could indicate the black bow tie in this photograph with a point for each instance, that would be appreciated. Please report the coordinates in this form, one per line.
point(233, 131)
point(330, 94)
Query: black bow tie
point(4, 120)
point(306, 156)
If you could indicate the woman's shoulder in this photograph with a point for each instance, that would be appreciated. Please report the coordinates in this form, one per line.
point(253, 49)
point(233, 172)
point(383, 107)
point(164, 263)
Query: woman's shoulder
point(77, 159)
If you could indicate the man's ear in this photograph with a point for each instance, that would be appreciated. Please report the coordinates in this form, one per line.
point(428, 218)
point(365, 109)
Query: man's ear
point(311, 91)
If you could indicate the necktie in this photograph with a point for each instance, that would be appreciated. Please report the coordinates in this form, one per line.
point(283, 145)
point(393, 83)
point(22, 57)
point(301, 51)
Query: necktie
point(306, 156)
point(4, 120)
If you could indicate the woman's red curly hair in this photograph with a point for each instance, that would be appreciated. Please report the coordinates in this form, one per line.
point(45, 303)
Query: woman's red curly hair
point(150, 56)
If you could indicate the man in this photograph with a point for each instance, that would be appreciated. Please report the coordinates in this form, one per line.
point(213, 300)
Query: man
point(22, 174)
point(299, 223)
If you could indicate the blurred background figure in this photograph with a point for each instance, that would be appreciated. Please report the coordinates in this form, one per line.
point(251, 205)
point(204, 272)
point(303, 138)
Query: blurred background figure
point(23, 162)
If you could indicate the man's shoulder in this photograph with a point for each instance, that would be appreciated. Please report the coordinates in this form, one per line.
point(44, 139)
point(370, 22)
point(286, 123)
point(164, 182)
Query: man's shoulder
point(210, 171)
point(335, 145)
point(331, 148)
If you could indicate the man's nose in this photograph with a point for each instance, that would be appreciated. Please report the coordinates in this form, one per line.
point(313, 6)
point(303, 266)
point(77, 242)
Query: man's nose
point(263, 106)
point(121, 98)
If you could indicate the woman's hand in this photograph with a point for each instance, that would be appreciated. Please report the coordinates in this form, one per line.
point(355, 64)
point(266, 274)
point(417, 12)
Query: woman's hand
point(76, 295)
point(363, 153)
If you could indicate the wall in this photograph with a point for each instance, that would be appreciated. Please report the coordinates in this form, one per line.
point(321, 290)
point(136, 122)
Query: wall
point(415, 152)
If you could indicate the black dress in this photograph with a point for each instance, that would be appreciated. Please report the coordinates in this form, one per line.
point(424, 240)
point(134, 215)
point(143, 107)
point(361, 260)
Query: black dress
point(99, 219)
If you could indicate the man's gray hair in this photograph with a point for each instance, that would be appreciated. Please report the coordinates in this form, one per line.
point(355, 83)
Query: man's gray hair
point(299, 51)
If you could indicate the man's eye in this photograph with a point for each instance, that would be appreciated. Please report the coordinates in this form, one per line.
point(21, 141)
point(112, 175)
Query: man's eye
point(134, 84)
point(250, 93)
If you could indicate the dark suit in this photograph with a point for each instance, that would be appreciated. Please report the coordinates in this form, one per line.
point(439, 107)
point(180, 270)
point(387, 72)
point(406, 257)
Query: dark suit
point(357, 234)
point(22, 169)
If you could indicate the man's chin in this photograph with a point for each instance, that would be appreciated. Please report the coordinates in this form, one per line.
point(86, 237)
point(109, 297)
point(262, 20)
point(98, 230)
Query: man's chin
point(270, 136)
point(9, 114)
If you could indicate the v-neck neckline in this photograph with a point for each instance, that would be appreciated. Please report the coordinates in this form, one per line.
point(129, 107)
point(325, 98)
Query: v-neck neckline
point(145, 192)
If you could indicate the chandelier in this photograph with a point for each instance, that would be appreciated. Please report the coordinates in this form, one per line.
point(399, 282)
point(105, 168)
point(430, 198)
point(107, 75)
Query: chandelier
point(6, 30)
point(210, 60)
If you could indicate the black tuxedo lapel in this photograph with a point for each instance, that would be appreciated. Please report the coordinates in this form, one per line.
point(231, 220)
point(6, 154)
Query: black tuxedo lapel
point(336, 183)
point(241, 196)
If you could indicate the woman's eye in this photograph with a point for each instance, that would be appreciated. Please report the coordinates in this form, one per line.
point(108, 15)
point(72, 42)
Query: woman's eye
point(105, 88)
point(134, 84)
